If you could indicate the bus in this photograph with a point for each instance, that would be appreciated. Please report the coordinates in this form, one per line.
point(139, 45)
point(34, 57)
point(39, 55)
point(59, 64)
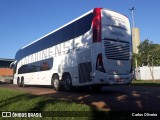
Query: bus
point(92, 50)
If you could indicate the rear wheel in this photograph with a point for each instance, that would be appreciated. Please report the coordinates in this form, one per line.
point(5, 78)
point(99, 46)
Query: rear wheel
point(18, 82)
point(22, 82)
point(56, 82)
point(67, 82)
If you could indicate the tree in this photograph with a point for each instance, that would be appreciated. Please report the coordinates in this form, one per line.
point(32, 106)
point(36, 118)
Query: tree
point(149, 54)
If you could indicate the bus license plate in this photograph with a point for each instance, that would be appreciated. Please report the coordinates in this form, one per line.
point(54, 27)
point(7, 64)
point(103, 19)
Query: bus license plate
point(119, 80)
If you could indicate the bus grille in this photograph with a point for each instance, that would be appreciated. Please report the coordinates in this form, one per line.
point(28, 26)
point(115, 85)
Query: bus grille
point(117, 50)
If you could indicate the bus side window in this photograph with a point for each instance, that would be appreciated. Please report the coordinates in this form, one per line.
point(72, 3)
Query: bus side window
point(45, 66)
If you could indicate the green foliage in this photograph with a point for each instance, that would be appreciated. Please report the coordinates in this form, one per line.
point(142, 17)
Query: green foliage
point(149, 54)
point(18, 101)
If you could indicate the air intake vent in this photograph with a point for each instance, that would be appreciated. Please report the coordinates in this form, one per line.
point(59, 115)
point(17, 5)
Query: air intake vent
point(117, 50)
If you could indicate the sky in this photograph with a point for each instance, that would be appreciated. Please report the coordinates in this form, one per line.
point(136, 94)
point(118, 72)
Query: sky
point(24, 21)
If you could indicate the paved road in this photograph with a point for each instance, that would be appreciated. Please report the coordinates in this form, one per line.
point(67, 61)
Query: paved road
point(117, 98)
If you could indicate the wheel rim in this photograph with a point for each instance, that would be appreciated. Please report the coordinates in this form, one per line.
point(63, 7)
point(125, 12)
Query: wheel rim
point(56, 83)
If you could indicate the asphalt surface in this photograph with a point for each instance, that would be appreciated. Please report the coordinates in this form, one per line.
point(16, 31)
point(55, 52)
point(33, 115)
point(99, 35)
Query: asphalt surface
point(110, 98)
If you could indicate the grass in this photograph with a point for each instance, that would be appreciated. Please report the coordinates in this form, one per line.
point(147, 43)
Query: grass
point(146, 82)
point(15, 101)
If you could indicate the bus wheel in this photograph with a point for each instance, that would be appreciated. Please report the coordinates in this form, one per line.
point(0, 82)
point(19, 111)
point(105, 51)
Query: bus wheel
point(67, 82)
point(55, 82)
point(18, 82)
point(22, 82)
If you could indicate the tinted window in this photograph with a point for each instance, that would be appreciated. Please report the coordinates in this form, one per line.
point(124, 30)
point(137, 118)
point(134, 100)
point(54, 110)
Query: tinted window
point(42, 65)
point(83, 25)
point(71, 31)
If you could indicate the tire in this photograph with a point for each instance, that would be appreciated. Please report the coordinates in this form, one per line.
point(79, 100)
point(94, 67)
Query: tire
point(67, 82)
point(56, 83)
point(22, 82)
point(18, 82)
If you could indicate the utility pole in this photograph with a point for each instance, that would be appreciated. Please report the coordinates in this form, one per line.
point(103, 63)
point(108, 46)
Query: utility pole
point(132, 10)
point(135, 38)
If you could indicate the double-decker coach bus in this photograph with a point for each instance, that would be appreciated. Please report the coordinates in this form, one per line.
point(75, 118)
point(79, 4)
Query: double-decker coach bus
point(92, 50)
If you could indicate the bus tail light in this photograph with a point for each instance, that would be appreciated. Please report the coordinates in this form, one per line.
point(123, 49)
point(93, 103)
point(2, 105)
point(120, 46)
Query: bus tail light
point(99, 63)
point(96, 23)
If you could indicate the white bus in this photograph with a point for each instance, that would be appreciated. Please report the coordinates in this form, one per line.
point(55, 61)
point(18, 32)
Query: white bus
point(92, 50)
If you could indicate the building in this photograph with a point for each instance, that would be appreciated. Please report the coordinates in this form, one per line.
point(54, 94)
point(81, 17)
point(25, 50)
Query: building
point(135, 39)
point(6, 74)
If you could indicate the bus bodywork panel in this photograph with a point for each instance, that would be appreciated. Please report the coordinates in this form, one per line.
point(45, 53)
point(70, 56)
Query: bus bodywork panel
point(116, 42)
point(115, 47)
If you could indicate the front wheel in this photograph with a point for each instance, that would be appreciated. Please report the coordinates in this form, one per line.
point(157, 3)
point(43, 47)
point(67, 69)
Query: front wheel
point(56, 83)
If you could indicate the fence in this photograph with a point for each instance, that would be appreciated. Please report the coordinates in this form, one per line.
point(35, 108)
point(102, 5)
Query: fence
point(147, 73)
